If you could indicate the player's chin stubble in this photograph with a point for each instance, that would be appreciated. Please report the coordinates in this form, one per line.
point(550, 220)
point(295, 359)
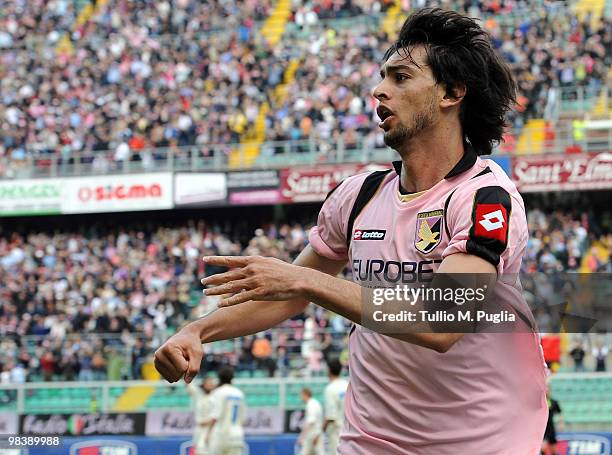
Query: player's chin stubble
point(398, 136)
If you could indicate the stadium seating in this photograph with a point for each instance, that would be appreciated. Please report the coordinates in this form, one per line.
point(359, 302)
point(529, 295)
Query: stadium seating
point(265, 42)
point(584, 399)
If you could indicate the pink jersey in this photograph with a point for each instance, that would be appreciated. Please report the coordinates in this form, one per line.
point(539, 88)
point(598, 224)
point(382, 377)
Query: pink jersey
point(479, 398)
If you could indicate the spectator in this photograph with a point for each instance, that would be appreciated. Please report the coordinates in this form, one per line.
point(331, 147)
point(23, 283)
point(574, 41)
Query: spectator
point(47, 365)
point(600, 353)
point(578, 354)
point(282, 362)
point(262, 352)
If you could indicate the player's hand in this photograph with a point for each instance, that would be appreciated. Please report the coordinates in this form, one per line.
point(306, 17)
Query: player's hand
point(180, 356)
point(253, 278)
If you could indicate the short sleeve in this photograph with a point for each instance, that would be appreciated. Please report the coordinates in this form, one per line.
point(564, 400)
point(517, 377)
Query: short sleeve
point(481, 222)
point(328, 237)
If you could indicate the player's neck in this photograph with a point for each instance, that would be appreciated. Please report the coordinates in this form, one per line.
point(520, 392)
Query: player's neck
point(427, 159)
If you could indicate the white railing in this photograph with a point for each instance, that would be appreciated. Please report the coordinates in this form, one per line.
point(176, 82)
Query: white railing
point(102, 390)
point(273, 154)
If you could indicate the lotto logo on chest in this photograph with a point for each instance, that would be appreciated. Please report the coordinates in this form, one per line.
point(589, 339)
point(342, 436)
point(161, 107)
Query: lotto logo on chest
point(369, 234)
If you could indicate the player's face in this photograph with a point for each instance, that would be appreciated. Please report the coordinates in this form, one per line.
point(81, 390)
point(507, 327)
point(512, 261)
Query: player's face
point(408, 97)
point(208, 385)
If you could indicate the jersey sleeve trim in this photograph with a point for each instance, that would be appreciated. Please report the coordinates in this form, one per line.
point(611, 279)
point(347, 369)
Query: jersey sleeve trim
point(488, 235)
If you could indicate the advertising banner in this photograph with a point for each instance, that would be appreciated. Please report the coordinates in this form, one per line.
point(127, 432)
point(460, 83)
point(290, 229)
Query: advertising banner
point(145, 445)
point(8, 423)
point(252, 180)
point(118, 193)
point(311, 184)
point(584, 171)
point(255, 197)
point(30, 197)
point(294, 420)
point(199, 189)
point(584, 444)
point(259, 421)
point(82, 424)
point(569, 444)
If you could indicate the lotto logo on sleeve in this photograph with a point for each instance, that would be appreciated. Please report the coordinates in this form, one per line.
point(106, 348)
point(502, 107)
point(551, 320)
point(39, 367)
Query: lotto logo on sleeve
point(370, 234)
point(491, 221)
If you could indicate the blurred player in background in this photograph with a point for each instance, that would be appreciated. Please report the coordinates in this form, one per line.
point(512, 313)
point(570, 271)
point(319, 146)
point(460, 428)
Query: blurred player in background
point(226, 435)
point(334, 405)
point(202, 408)
point(442, 209)
point(311, 437)
point(549, 445)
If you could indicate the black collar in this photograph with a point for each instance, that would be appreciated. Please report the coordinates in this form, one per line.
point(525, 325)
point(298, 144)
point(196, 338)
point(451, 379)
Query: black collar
point(466, 162)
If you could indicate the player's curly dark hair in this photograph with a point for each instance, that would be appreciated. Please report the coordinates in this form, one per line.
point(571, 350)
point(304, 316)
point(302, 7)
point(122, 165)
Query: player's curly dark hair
point(460, 54)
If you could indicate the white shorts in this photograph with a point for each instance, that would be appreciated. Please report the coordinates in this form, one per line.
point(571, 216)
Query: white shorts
point(333, 437)
point(310, 448)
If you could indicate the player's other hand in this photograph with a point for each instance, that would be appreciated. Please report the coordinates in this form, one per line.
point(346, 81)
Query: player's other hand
point(180, 356)
point(253, 278)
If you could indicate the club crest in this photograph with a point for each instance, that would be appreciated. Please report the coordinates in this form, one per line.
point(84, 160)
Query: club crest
point(428, 230)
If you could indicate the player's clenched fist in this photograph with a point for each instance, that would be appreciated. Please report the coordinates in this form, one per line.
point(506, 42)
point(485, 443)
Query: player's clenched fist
point(180, 356)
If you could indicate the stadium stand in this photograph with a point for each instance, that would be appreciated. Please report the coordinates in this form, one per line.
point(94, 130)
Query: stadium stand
point(135, 96)
point(70, 296)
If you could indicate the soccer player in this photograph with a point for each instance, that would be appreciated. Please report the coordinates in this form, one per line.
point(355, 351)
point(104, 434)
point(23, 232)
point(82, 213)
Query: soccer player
point(226, 435)
point(443, 96)
point(311, 436)
point(202, 408)
point(334, 405)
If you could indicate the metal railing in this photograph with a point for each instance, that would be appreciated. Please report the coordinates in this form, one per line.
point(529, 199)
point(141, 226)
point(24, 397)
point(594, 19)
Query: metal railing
point(105, 393)
point(273, 154)
point(18, 397)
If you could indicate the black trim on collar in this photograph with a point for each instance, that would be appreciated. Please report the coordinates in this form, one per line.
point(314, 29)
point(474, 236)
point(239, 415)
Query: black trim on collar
point(466, 162)
point(486, 170)
point(397, 165)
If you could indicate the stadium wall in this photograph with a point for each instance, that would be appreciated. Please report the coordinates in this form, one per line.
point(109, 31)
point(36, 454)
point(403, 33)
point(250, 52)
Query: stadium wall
point(168, 190)
point(569, 444)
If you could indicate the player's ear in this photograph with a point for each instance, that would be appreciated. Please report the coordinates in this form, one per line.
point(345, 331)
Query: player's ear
point(453, 96)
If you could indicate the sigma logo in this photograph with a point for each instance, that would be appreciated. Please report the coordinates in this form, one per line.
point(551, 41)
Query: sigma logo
point(370, 234)
point(104, 447)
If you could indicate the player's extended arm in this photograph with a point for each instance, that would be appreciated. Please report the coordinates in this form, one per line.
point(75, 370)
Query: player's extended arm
point(271, 279)
point(180, 356)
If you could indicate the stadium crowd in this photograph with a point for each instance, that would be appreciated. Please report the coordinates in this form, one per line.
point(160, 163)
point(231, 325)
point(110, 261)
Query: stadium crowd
point(136, 77)
point(95, 303)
